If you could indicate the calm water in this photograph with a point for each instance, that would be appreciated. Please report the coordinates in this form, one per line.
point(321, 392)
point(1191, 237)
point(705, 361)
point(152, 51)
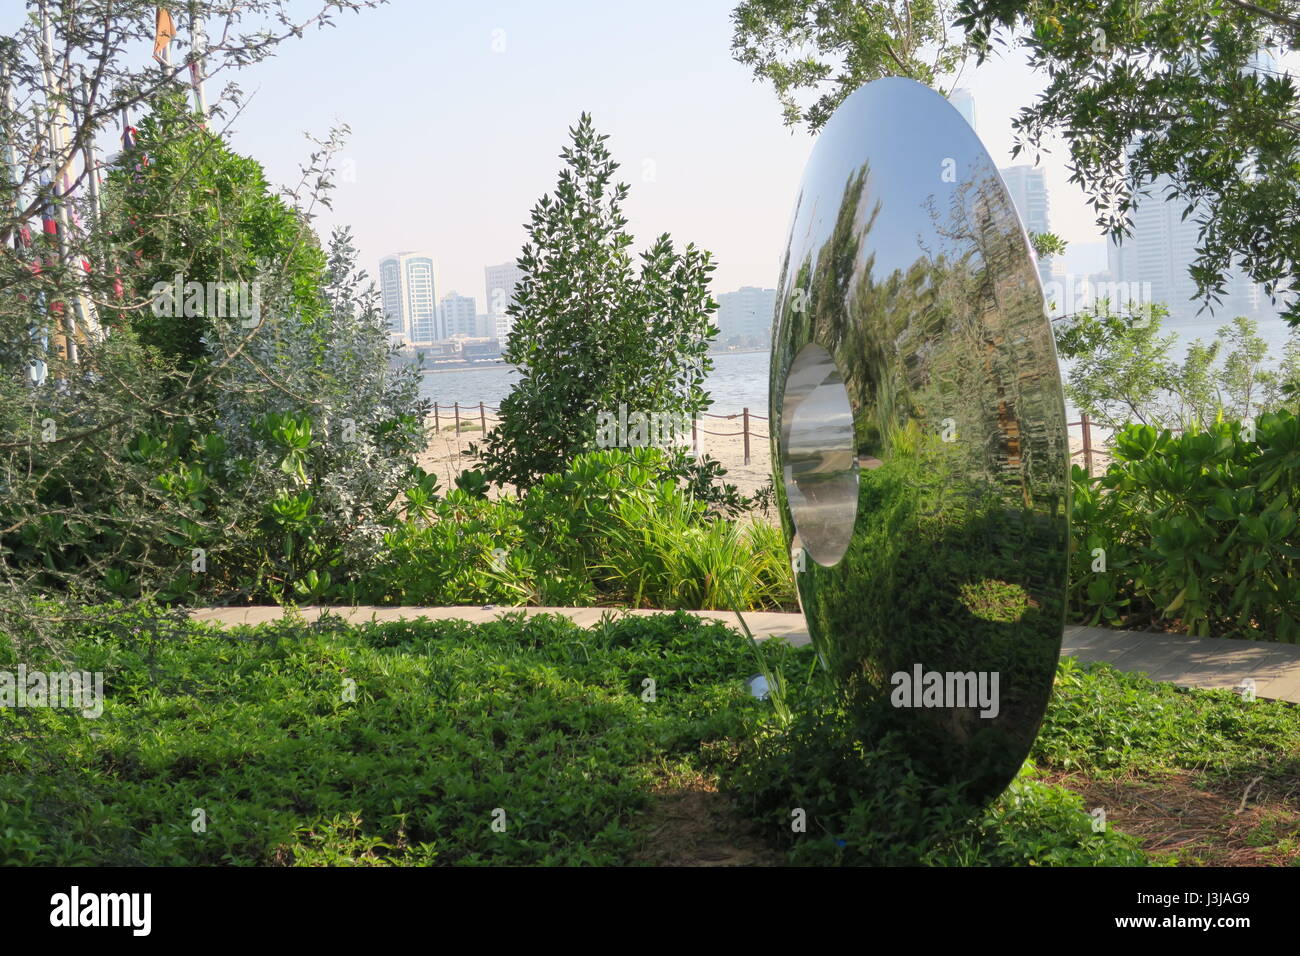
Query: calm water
point(737, 380)
point(740, 379)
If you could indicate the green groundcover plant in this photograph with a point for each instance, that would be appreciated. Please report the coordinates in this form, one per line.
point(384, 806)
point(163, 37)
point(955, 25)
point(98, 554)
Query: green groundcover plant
point(401, 744)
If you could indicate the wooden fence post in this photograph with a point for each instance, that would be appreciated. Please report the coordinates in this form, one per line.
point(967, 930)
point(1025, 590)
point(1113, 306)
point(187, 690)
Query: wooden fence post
point(458, 419)
point(695, 439)
point(436, 427)
point(746, 417)
point(1087, 444)
point(482, 418)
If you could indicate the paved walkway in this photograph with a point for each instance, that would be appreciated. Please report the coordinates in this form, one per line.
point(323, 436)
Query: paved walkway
point(1174, 658)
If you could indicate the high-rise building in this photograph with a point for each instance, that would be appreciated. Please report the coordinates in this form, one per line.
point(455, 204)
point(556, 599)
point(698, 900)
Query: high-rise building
point(1160, 249)
point(501, 282)
point(459, 314)
point(964, 102)
point(407, 294)
point(1028, 188)
point(746, 313)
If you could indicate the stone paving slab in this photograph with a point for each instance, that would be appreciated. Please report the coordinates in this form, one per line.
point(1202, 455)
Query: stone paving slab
point(1173, 658)
point(1204, 662)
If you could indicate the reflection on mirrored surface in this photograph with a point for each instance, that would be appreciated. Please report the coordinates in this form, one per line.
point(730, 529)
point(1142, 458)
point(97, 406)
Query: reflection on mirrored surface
point(919, 437)
point(819, 466)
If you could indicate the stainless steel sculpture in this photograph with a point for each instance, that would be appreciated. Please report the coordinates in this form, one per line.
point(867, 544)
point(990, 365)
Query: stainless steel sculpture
point(919, 439)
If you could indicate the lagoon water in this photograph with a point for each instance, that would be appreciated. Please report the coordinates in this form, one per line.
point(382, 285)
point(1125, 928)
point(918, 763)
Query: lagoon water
point(739, 379)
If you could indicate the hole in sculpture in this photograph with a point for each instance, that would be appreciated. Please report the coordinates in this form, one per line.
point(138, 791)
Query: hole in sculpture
point(819, 455)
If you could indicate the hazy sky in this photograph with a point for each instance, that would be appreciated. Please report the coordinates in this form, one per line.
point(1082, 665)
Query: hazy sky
point(458, 113)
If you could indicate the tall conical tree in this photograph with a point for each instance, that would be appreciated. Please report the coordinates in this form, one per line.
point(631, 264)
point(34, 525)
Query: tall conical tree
point(591, 329)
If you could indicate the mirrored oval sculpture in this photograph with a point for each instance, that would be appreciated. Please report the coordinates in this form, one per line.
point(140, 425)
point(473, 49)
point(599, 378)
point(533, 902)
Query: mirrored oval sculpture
point(920, 452)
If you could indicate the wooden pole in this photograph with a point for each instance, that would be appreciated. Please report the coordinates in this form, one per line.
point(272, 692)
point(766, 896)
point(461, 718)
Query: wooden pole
point(436, 427)
point(482, 418)
point(695, 438)
point(746, 418)
point(1087, 444)
point(458, 419)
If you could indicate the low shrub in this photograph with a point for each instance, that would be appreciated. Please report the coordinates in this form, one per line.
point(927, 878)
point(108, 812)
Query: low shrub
point(871, 806)
point(607, 530)
point(1107, 722)
point(1194, 532)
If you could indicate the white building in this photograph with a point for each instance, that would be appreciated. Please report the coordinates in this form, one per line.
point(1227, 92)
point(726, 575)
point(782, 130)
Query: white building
point(501, 282)
point(407, 292)
point(746, 313)
point(459, 315)
point(1160, 249)
point(964, 102)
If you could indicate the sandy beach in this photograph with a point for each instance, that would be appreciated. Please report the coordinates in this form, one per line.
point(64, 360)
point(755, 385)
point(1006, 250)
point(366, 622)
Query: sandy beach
point(448, 455)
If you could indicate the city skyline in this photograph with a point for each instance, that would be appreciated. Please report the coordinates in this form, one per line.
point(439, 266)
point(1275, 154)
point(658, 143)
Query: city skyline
point(405, 277)
point(1027, 186)
point(720, 171)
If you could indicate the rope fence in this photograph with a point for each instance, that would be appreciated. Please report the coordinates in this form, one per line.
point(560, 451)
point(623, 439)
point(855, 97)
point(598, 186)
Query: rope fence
point(479, 412)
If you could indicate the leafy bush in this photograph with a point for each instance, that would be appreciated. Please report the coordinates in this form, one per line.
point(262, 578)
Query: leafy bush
point(267, 493)
point(75, 503)
point(606, 530)
point(181, 201)
point(1120, 369)
point(1103, 721)
point(219, 462)
point(1196, 532)
point(317, 461)
point(590, 331)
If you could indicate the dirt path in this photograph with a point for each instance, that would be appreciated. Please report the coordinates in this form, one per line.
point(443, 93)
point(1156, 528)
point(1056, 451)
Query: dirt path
point(692, 824)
